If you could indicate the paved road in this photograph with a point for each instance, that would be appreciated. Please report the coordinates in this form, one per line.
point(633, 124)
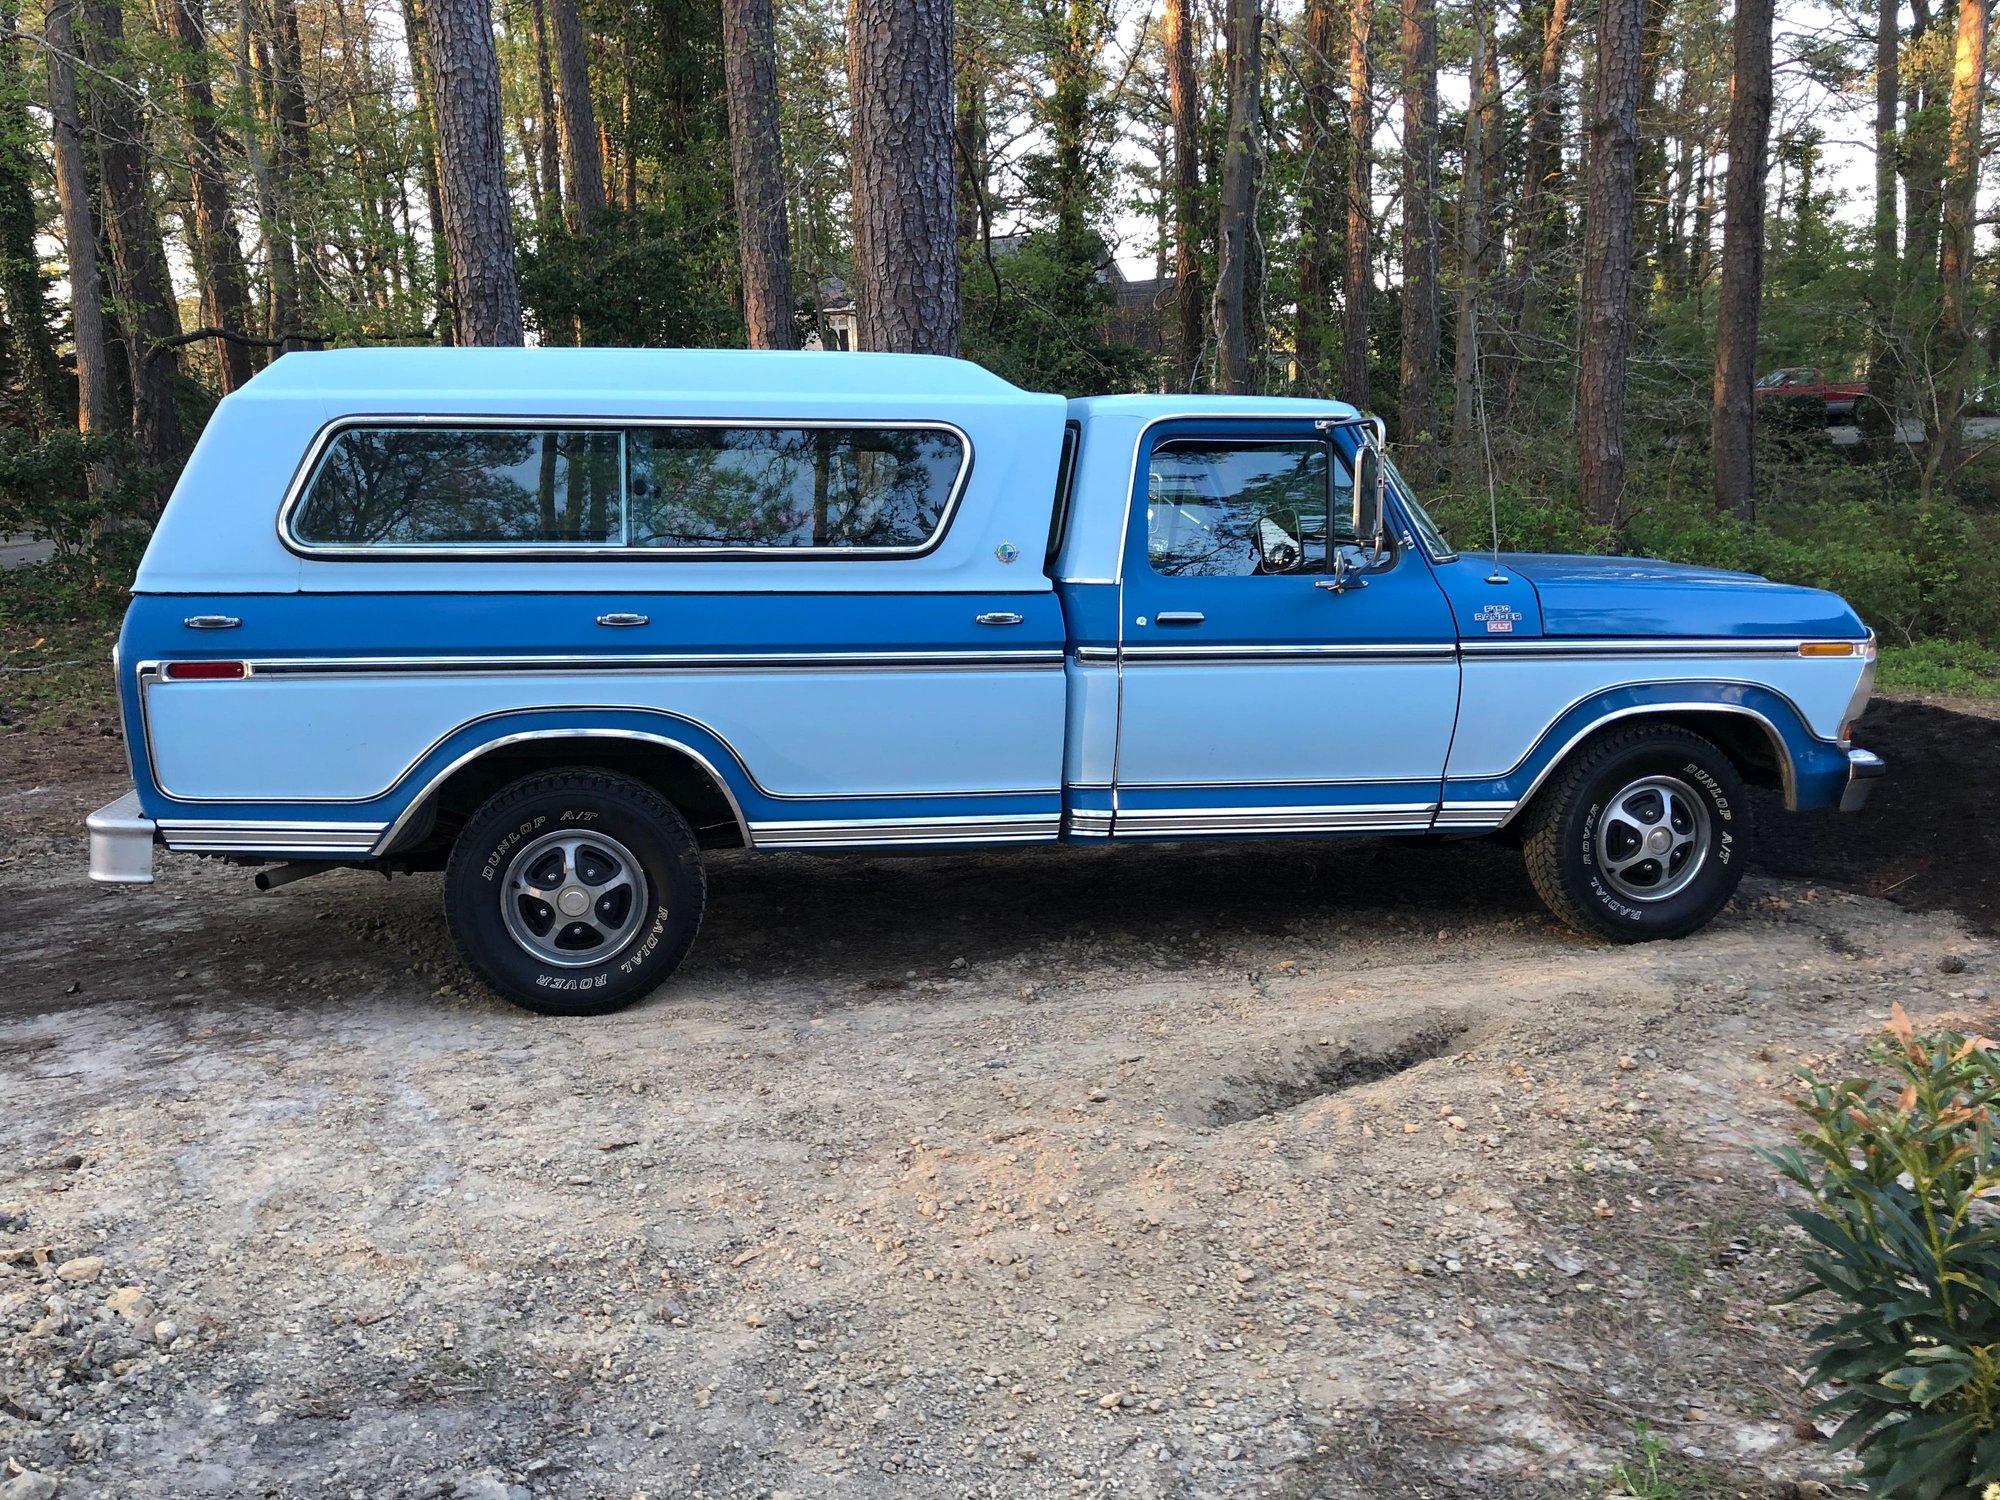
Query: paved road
point(15, 550)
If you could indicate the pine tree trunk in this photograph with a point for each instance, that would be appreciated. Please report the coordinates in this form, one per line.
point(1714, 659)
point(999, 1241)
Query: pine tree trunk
point(583, 163)
point(905, 187)
point(1359, 286)
point(86, 285)
point(1961, 220)
point(32, 339)
point(1737, 304)
point(1325, 195)
point(548, 133)
point(1878, 415)
point(1541, 177)
point(750, 62)
point(1471, 260)
point(422, 84)
point(1184, 105)
point(478, 218)
point(292, 162)
point(139, 260)
point(1924, 129)
point(1417, 422)
point(225, 289)
point(1234, 228)
point(1605, 310)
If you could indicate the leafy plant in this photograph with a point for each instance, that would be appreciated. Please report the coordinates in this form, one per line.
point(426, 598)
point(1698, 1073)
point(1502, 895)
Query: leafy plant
point(1905, 1233)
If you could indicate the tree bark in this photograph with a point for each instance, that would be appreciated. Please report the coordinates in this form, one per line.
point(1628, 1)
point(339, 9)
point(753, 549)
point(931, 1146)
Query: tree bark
point(1234, 227)
point(225, 289)
point(1324, 205)
point(1879, 412)
point(750, 63)
point(1357, 293)
point(905, 188)
point(292, 161)
point(583, 163)
point(1417, 422)
point(86, 286)
point(548, 133)
point(22, 289)
point(1471, 259)
point(1737, 304)
point(1541, 176)
point(1922, 161)
point(425, 89)
point(1184, 105)
point(1961, 220)
point(139, 260)
point(1605, 311)
point(478, 218)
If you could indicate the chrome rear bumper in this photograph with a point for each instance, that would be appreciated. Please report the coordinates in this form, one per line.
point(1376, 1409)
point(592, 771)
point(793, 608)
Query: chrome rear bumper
point(1864, 769)
point(121, 843)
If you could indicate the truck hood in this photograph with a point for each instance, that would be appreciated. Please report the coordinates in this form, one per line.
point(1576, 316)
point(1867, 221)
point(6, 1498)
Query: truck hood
point(1636, 596)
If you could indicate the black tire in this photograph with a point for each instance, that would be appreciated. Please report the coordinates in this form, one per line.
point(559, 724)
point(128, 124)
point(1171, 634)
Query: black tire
point(1581, 825)
point(644, 917)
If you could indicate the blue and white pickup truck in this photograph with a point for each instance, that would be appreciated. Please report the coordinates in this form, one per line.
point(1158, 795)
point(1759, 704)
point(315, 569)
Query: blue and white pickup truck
point(557, 621)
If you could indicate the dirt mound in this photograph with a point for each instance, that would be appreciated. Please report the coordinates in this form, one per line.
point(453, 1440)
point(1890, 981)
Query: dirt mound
point(1928, 838)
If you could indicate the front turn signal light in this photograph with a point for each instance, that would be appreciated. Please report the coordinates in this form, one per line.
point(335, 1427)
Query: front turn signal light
point(1826, 648)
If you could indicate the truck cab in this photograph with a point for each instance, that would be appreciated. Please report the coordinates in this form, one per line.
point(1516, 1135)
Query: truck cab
point(557, 623)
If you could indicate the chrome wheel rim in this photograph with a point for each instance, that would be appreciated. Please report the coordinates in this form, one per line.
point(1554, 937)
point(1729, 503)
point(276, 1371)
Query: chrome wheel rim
point(572, 899)
point(1653, 838)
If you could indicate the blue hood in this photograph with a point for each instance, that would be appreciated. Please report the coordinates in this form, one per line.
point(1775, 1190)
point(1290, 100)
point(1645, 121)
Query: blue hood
point(1636, 596)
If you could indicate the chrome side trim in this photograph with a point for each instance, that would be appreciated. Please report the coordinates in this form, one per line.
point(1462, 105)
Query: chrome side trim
point(1580, 648)
point(840, 661)
point(1189, 822)
point(1096, 656)
point(1473, 815)
point(1144, 656)
point(1787, 772)
point(907, 832)
point(388, 839)
point(295, 493)
point(1087, 823)
point(315, 840)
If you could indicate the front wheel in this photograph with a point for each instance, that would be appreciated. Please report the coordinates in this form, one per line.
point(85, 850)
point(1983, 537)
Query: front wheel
point(574, 893)
point(1641, 835)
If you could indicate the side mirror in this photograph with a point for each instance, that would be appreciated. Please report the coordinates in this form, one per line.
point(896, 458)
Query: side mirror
point(1368, 482)
point(1279, 548)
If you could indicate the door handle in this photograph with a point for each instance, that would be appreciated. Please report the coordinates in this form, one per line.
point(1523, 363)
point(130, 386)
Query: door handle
point(622, 619)
point(997, 617)
point(211, 622)
point(1341, 585)
point(1179, 617)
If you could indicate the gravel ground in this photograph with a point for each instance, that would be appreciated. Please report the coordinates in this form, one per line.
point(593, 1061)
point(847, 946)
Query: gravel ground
point(1286, 1169)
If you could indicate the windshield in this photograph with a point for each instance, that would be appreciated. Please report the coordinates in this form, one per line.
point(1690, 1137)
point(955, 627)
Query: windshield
point(1427, 530)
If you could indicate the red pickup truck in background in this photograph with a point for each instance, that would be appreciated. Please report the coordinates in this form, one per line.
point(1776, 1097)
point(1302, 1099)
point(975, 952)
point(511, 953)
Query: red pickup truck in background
point(1840, 399)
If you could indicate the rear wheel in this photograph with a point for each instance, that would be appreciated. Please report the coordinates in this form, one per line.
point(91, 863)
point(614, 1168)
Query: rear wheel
point(574, 893)
point(1641, 835)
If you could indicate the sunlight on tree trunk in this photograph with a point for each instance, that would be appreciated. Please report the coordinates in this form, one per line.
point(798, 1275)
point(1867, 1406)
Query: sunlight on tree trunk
point(1738, 303)
point(750, 62)
point(478, 217)
point(1235, 372)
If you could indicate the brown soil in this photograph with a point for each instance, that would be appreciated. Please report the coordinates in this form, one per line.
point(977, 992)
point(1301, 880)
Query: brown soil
point(1332, 1170)
point(1929, 837)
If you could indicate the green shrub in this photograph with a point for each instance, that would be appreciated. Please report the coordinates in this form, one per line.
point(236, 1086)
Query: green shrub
point(1904, 1233)
point(98, 534)
point(1958, 667)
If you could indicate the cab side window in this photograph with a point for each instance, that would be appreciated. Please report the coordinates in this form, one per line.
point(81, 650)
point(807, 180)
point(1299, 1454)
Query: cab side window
point(1222, 509)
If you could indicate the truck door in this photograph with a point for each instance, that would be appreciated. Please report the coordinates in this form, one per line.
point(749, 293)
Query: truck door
point(1256, 697)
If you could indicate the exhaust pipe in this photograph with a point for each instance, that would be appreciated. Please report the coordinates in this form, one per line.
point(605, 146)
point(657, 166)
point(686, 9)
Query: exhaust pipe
point(298, 869)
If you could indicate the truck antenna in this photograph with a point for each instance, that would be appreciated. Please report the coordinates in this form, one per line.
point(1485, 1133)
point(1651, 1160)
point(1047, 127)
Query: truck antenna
point(1498, 575)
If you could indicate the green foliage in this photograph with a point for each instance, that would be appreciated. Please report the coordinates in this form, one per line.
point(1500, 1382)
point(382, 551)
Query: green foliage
point(633, 279)
point(1037, 315)
point(45, 494)
point(1956, 667)
point(1902, 1232)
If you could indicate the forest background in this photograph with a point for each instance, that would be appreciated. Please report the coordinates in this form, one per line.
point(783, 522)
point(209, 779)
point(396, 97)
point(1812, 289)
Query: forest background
point(1553, 242)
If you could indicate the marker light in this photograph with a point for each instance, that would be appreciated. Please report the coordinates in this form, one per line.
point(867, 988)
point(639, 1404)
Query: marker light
point(205, 671)
point(1826, 648)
